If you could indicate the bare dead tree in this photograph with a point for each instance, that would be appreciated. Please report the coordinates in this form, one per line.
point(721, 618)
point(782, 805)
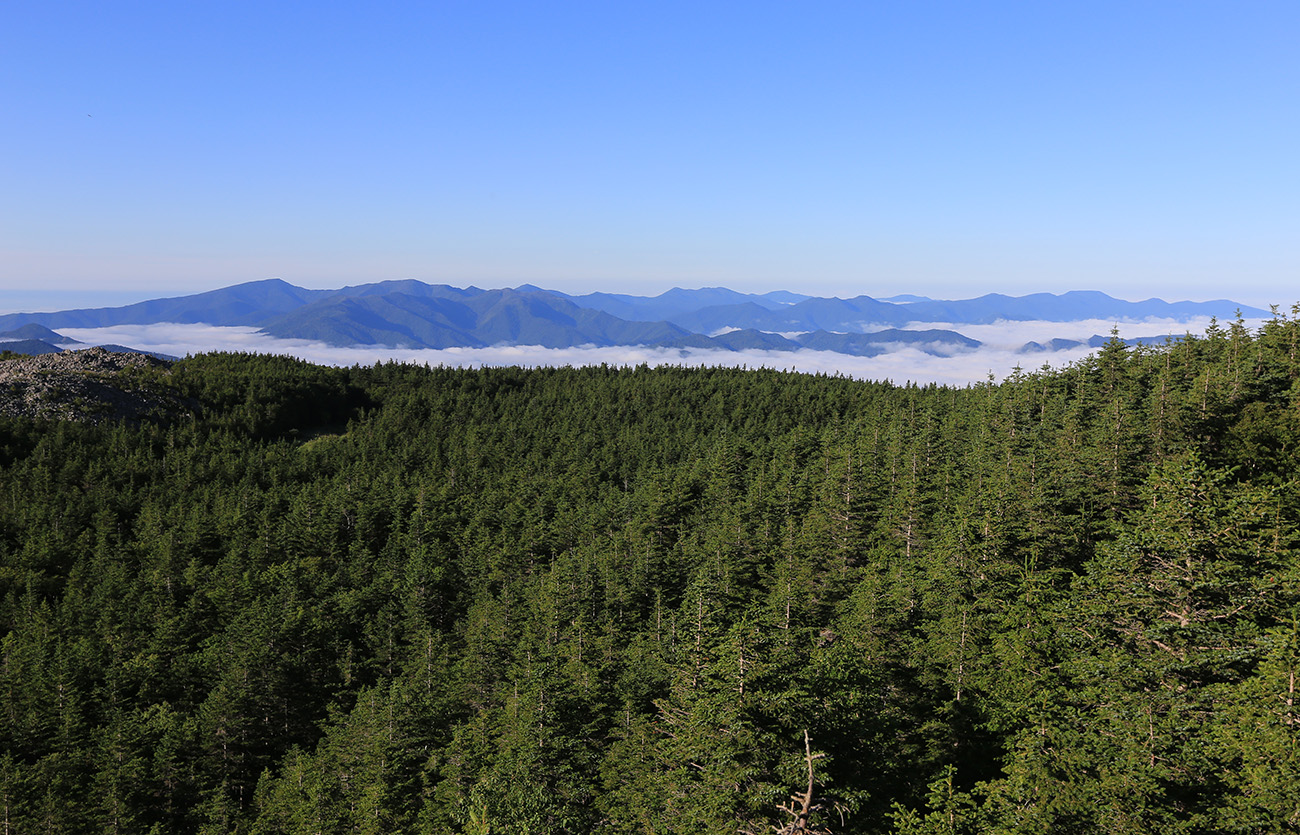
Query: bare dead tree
point(803, 804)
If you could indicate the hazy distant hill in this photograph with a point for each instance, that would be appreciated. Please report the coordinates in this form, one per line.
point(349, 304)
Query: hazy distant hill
point(413, 314)
point(38, 340)
point(938, 342)
point(744, 315)
point(1068, 307)
point(1095, 341)
point(35, 331)
point(864, 314)
point(30, 347)
point(675, 303)
point(749, 339)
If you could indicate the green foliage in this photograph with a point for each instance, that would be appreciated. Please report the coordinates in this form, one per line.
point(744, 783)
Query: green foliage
point(613, 600)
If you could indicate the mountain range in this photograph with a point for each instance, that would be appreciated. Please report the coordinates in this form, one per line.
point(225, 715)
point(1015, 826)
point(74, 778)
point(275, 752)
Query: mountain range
point(413, 314)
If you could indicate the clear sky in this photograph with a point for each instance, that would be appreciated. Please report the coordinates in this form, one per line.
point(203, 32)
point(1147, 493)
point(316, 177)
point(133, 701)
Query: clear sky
point(941, 148)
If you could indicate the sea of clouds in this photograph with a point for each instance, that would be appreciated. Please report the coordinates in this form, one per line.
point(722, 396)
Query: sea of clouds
point(996, 358)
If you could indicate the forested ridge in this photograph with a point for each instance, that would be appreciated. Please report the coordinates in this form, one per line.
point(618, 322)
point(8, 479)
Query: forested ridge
point(619, 600)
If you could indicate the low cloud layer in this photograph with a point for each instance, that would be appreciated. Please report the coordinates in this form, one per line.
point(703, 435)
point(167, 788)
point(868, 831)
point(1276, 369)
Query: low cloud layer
point(1013, 335)
point(998, 356)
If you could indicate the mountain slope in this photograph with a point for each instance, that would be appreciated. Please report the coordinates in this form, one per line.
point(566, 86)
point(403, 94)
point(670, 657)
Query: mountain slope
point(251, 303)
point(30, 347)
point(35, 331)
point(398, 320)
point(484, 318)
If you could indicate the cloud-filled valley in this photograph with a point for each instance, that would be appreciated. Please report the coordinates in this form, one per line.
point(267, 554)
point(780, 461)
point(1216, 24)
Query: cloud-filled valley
point(917, 340)
point(997, 355)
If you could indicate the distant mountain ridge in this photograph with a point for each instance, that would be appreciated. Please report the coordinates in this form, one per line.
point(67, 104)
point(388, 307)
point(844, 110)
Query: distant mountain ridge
point(414, 314)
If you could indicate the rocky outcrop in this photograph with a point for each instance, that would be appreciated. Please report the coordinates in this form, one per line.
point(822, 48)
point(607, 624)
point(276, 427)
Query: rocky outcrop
point(92, 386)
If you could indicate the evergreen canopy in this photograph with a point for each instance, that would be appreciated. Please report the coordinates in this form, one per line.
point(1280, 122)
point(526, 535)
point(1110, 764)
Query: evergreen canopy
point(619, 600)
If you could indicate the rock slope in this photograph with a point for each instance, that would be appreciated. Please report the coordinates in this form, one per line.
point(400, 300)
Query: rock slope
point(94, 385)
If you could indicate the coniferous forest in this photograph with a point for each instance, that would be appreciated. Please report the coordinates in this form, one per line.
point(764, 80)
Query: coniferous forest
point(661, 600)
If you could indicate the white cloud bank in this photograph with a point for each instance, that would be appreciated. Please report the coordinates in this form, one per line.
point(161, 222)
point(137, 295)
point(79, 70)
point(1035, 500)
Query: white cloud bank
point(997, 356)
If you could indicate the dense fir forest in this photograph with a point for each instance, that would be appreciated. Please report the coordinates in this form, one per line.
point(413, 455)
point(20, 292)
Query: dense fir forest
point(614, 600)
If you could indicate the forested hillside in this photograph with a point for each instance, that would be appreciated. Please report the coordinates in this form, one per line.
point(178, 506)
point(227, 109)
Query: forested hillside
point(402, 599)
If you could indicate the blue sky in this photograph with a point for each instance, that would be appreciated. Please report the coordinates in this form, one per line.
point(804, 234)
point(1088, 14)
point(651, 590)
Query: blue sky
point(941, 148)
